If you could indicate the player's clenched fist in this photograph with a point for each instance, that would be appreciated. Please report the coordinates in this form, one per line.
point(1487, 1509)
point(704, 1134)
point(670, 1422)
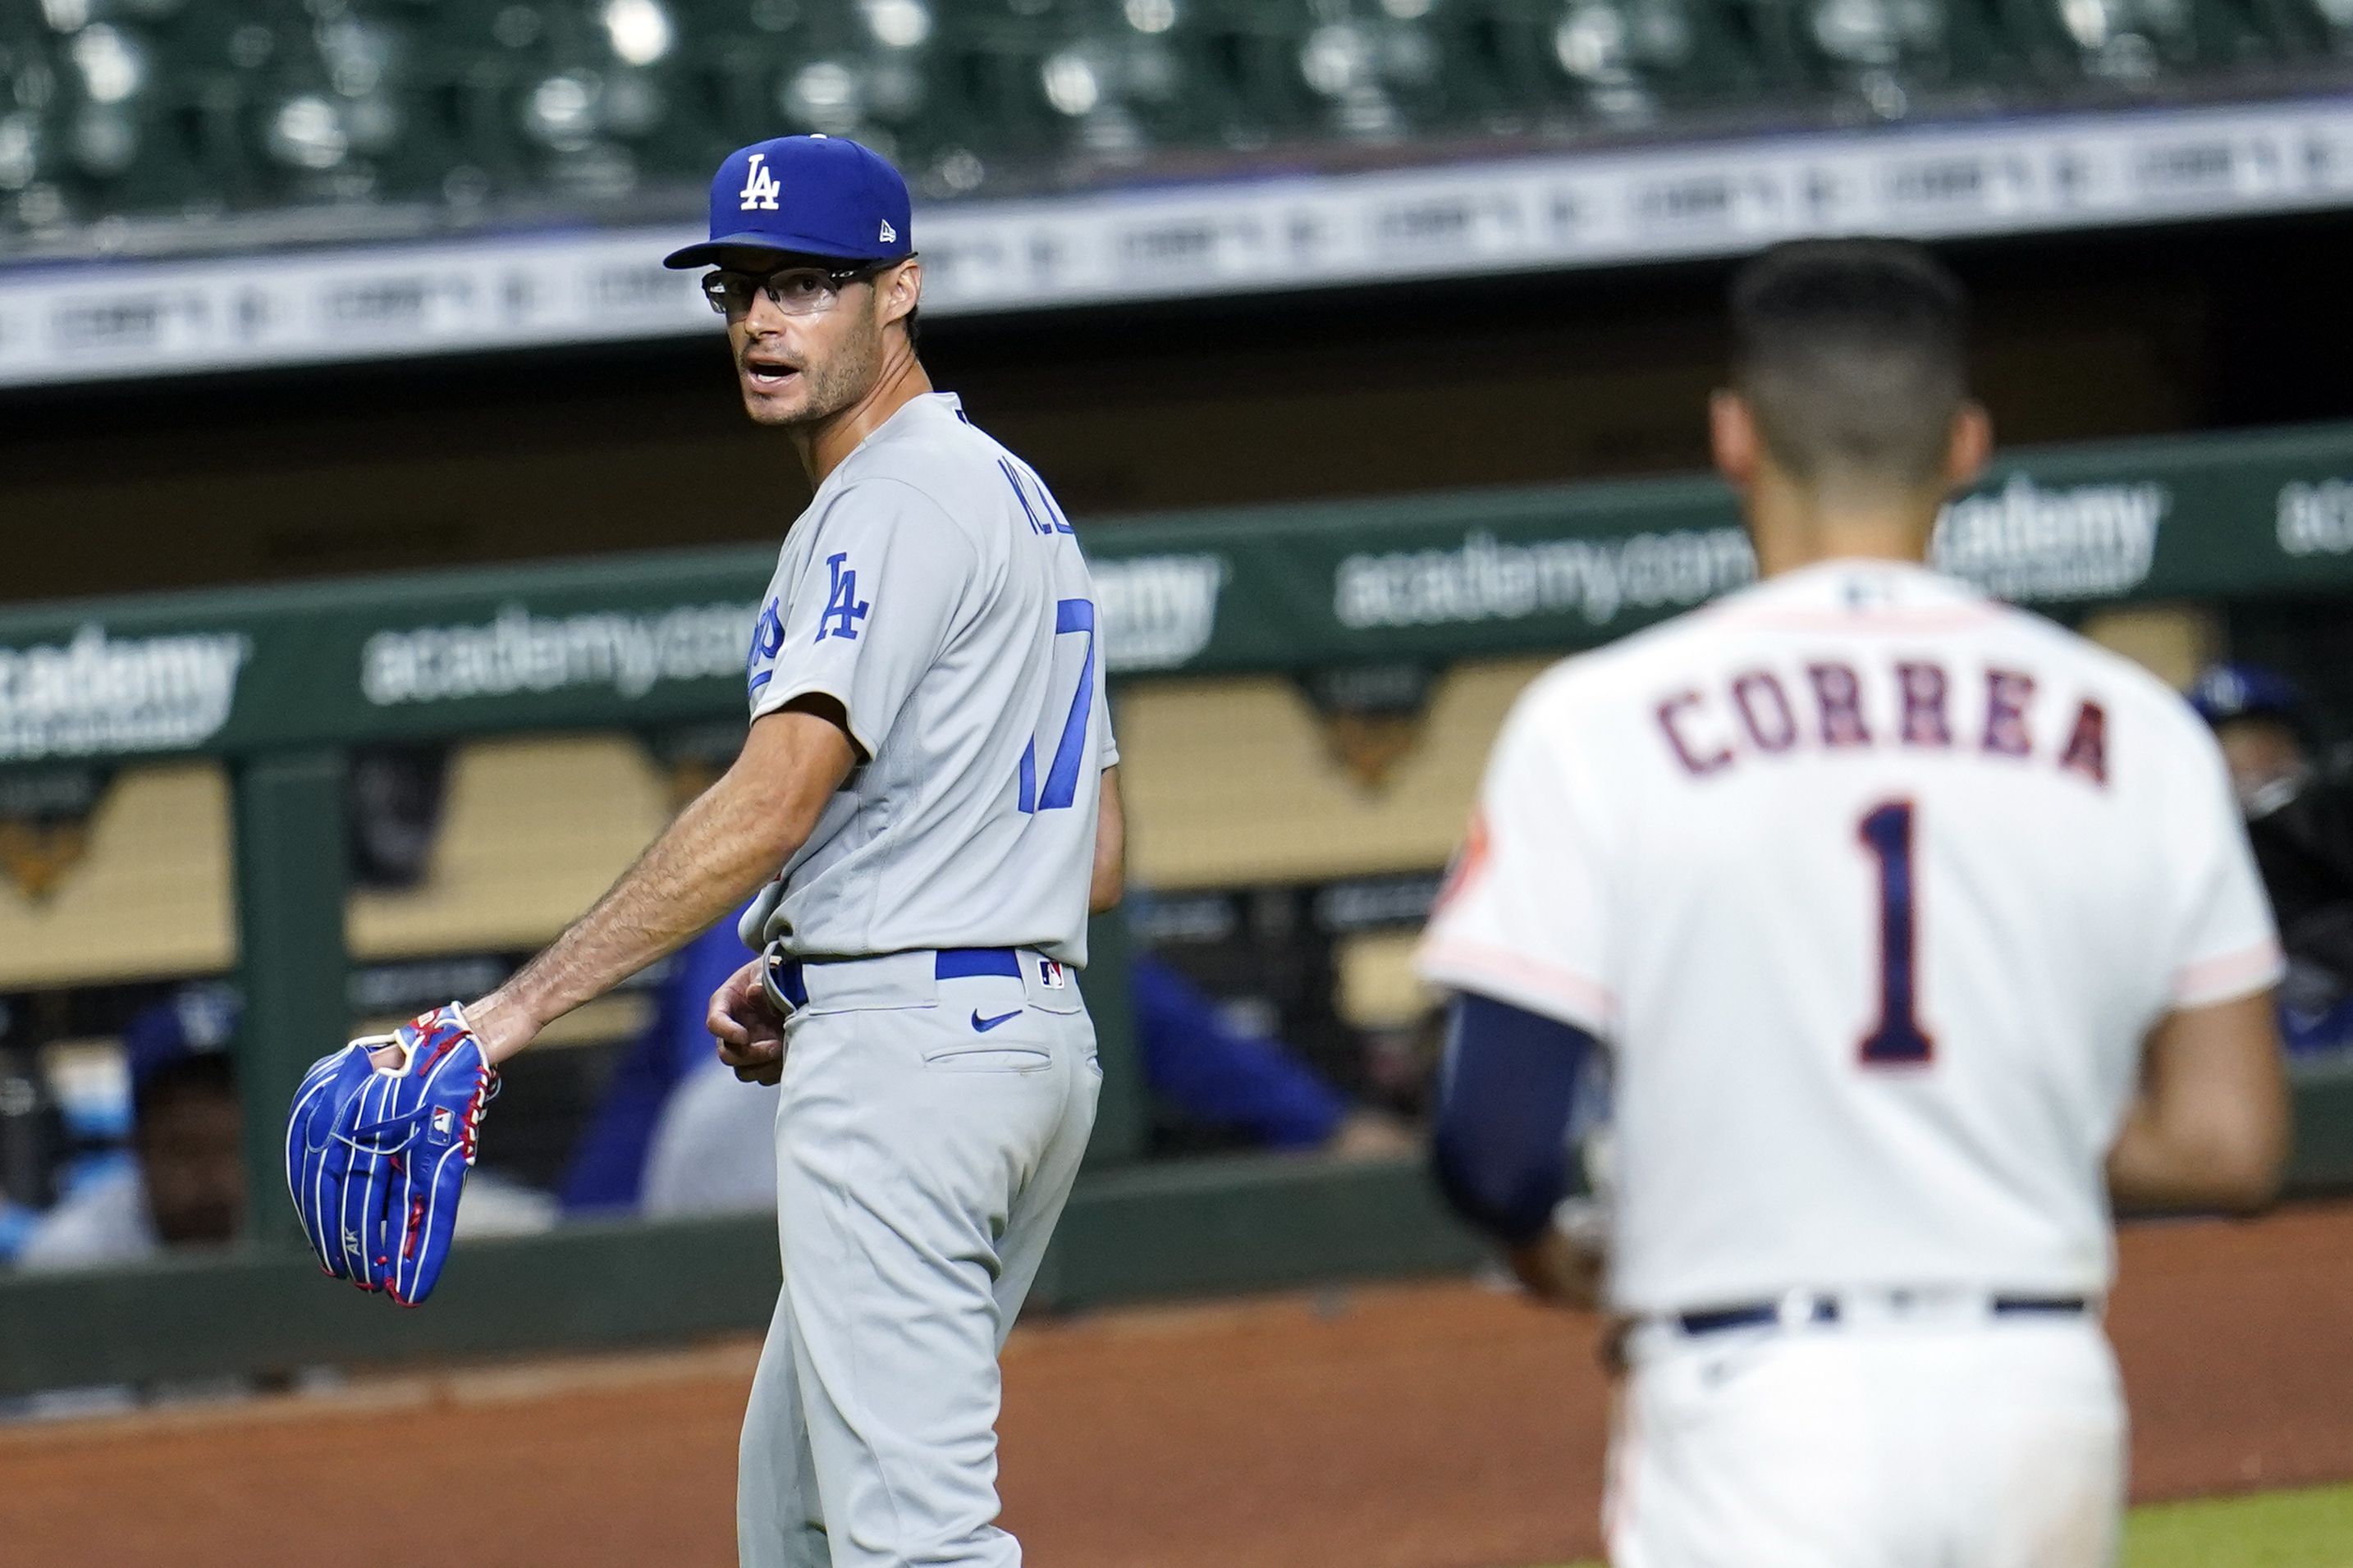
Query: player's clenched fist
point(749, 1029)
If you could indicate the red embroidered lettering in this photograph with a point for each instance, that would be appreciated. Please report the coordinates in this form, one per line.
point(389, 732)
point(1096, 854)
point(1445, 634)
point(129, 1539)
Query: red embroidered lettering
point(1697, 765)
point(1840, 697)
point(1778, 731)
point(1923, 686)
point(2007, 694)
point(2087, 746)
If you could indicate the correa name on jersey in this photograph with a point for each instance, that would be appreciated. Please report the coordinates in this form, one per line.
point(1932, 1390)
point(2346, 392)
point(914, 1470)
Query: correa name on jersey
point(1909, 703)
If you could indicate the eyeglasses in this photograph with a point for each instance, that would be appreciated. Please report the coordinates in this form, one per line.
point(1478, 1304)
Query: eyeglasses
point(795, 290)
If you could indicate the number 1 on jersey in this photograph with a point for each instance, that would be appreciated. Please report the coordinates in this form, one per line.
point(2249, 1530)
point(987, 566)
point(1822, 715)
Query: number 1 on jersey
point(1897, 1037)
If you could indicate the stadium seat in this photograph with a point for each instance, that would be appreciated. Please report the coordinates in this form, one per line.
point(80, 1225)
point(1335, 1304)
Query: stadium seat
point(1132, 77)
point(735, 51)
point(1084, 81)
point(1353, 70)
point(990, 80)
point(31, 144)
point(341, 111)
point(1254, 50)
point(577, 101)
point(115, 127)
point(1887, 59)
point(864, 70)
point(168, 108)
point(1611, 63)
point(2321, 27)
point(2140, 45)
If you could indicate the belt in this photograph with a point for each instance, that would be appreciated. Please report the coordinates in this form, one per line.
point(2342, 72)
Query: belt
point(1812, 1309)
point(788, 987)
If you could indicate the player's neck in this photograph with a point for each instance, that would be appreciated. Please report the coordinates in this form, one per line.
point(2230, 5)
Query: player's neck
point(824, 443)
point(1797, 526)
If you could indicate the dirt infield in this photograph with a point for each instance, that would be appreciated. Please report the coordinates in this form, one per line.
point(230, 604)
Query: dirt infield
point(1430, 1426)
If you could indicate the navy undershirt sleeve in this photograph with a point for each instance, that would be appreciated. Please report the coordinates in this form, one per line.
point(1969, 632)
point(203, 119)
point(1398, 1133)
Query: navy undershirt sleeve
point(1501, 1135)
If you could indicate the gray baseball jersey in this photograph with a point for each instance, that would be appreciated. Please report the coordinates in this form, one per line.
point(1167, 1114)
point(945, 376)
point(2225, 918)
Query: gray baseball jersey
point(935, 590)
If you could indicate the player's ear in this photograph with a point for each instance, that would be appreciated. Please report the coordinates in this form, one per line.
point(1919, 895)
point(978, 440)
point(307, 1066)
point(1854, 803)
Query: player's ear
point(901, 289)
point(1732, 437)
point(1970, 447)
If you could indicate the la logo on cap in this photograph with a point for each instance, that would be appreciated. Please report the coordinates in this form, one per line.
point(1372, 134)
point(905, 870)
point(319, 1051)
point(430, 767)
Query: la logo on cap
point(760, 187)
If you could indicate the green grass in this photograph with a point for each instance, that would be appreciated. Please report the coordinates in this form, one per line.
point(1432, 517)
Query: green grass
point(2271, 1530)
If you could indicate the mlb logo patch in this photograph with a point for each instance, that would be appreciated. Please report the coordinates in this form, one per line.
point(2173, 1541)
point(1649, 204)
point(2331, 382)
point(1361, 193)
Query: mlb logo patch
point(445, 1126)
point(1051, 974)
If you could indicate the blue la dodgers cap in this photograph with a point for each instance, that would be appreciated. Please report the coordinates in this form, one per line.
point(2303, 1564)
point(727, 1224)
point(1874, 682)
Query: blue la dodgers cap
point(809, 195)
point(197, 1020)
point(2228, 691)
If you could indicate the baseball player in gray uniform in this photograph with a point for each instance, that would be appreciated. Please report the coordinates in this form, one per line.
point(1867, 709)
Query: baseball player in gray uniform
point(928, 793)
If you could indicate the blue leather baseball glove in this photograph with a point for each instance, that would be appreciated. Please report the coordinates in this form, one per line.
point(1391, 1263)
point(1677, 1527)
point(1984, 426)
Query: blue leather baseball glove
point(376, 1156)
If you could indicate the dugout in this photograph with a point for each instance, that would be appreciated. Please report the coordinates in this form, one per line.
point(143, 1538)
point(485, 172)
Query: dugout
point(274, 687)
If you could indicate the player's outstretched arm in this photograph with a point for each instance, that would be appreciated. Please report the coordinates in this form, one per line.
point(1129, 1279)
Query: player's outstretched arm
point(2209, 1129)
point(1109, 884)
point(733, 837)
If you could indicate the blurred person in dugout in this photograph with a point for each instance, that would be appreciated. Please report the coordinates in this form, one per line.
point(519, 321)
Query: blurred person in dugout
point(183, 1184)
point(676, 1133)
point(2300, 821)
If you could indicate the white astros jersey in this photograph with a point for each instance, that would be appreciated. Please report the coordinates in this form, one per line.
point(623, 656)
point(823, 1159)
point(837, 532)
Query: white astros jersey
point(1873, 887)
point(935, 588)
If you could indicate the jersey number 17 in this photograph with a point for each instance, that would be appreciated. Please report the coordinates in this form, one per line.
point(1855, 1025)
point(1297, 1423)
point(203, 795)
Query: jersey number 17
point(1073, 617)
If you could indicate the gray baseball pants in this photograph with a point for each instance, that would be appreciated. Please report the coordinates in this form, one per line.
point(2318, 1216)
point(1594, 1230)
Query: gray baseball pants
point(928, 1130)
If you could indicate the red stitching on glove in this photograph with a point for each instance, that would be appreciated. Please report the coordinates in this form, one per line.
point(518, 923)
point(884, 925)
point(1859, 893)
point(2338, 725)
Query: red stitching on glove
point(440, 1037)
point(474, 1110)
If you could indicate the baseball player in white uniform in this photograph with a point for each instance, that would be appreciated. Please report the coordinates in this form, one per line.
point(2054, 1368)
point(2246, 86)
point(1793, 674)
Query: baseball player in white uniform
point(928, 793)
point(1916, 930)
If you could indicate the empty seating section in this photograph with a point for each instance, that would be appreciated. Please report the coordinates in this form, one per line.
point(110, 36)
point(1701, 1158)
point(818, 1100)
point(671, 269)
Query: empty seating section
point(179, 108)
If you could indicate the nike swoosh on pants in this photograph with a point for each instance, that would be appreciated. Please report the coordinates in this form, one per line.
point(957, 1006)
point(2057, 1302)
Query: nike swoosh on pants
point(983, 1025)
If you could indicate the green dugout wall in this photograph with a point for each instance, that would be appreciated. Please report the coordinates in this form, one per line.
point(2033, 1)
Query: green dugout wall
point(279, 682)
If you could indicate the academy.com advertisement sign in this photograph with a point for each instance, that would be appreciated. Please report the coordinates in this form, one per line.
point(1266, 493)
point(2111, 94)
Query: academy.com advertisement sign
point(2315, 518)
point(96, 695)
point(647, 641)
point(516, 652)
point(1484, 578)
point(2035, 544)
point(343, 666)
point(2023, 541)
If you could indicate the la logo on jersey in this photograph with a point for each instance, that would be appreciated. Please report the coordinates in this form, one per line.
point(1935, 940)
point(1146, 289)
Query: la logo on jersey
point(760, 187)
point(766, 638)
point(843, 608)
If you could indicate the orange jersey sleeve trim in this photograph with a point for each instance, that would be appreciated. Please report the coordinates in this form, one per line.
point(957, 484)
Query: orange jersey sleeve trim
point(1455, 960)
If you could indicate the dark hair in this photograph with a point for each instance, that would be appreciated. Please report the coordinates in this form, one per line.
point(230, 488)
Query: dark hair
point(1852, 353)
point(188, 1077)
